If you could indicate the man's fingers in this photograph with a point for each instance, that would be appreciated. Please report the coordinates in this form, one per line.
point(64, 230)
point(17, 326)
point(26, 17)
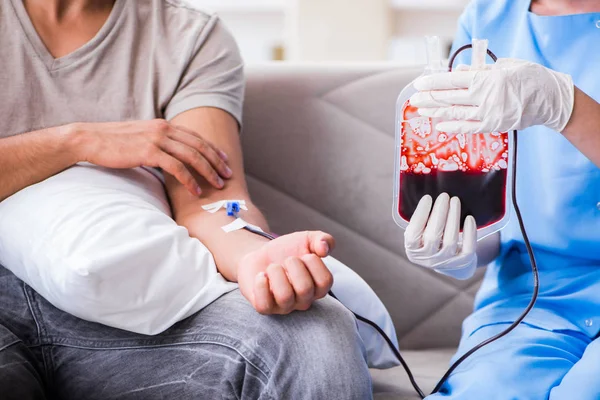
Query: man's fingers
point(176, 168)
point(263, 298)
point(206, 149)
point(432, 237)
point(321, 276)
point(301, 281)
point(282, 290)
point(320, 243)
point(444, 81)
point(443, 98)
point(469, 245)
point(220, 152)
point(418, 221)
point(194, 159)
point(451, 232)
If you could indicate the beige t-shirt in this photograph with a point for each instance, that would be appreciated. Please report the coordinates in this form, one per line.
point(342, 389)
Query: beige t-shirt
point(151, 59)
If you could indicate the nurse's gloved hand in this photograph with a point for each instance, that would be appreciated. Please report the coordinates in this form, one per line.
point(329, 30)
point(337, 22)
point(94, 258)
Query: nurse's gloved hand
point(432, 238)
point(511, 94)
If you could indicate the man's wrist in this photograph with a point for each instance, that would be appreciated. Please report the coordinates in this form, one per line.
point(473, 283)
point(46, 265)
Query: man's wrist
point(75, 141)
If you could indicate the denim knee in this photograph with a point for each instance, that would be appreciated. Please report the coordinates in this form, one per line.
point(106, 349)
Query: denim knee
point(322, 355)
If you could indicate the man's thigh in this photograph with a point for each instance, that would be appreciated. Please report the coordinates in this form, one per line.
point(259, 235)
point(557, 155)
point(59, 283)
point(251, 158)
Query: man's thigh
point(226, 351)
point(524, 365)
point(582, 382)
point(210, 353)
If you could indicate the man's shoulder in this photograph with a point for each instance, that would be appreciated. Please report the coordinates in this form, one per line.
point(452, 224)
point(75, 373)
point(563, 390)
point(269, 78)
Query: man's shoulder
point(173, 13)
point(173, 24)
point(186, 7)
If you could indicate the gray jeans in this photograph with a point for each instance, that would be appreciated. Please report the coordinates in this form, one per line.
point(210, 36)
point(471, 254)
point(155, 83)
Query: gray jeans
point(226, 351)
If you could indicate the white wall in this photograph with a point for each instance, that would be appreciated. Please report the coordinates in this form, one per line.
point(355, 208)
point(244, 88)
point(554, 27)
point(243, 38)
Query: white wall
point(337, 30)
point(258, 25)
point(411, 26)
point(257, 34)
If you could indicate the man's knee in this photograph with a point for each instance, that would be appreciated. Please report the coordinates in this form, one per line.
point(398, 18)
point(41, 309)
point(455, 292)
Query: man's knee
point(321, 351)
point(312, 354)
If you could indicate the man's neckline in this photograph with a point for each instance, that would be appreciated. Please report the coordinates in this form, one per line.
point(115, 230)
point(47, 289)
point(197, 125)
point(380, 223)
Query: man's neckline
point(51, 62)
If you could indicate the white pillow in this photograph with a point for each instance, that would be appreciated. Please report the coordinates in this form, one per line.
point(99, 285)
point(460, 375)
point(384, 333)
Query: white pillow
point(101, 244)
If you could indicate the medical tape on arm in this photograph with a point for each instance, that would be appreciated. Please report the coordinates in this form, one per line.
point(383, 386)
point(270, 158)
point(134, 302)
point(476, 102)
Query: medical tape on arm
point(232, 207)
point(239, 224)
point(214, 207)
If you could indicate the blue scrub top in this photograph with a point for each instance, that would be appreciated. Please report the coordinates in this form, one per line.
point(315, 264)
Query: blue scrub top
point(558, 188)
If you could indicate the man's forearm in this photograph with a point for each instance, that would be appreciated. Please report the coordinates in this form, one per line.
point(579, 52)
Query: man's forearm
point(30, 158)
point(583, 130)
point(227, 248)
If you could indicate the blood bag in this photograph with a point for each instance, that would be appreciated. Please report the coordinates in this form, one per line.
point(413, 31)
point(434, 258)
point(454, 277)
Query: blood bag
point(475, 168)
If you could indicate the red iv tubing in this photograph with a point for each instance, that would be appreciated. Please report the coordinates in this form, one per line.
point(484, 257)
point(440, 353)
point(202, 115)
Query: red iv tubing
point(536, 279)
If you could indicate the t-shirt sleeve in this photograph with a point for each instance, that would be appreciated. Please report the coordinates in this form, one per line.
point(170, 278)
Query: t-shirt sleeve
point(464, 35)
point(214, 76)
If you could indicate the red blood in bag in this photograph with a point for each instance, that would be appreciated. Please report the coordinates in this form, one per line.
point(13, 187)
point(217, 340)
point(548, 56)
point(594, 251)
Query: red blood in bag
point(470, 167)
point(482, 195)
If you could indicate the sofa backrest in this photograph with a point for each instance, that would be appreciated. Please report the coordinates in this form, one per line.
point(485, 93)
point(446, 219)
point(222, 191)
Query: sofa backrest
point(319, 151)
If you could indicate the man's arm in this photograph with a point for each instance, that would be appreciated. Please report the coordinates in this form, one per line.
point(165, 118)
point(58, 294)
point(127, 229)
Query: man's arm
point(275, 276)
point(222, 130)
point(29, 158)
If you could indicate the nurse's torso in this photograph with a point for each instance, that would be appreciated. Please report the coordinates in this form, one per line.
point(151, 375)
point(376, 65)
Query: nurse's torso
point(558, 188)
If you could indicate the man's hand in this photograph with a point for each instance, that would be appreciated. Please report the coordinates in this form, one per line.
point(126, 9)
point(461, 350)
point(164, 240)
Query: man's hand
point(155, 143)
point(287, 274)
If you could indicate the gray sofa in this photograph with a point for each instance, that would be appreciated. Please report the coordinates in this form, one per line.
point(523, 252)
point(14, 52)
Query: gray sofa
point(319, 153)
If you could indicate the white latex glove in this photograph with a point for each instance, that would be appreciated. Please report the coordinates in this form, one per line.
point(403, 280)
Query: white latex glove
point(511, 94)
point(433, 241)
